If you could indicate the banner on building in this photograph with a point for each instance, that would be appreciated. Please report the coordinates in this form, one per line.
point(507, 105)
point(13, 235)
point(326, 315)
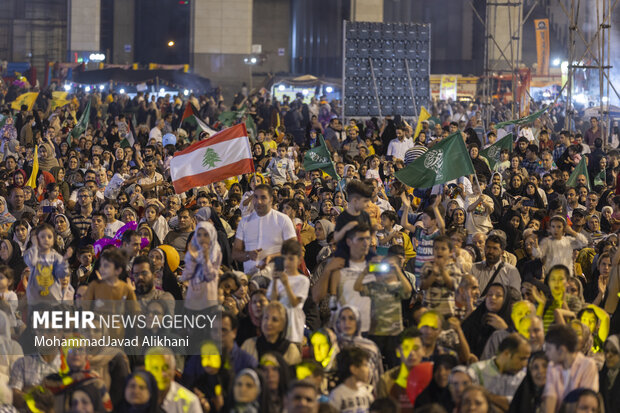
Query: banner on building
point(542, 46)
point(447, 88)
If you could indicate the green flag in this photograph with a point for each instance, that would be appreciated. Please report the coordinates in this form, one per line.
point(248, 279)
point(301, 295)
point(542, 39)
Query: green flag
point(601, 178)
point(81, 125)
point(580, 169)
point(492, 153)
point(320, 158)
point(528, 119)
point(445, 161)
point(229, 118)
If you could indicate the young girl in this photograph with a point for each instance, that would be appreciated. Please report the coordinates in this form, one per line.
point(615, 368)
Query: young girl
point(110, 209)
point(21, 234)
point(52, 191)
point(47, 268)
point(155, 220)
point(202, 266)
point(290, 287)
point(110, 287)
point(6, 295)
point(373, 168)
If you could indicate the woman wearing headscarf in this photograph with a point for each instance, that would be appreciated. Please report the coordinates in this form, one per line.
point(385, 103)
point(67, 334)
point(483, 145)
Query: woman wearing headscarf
point(347, 326)
point(528, 397)
point(248, 394)
point(609, 382)
point(11, 256)
point(19, 178)
point(84, 398)
point(20, 232)
point(64, 235)
point(6, 219)
point(202, 266)
point(273, 336)
point(481, 168)
point(512, 225)
point(437, 390)
point(47, 155)
point(277, 378)
point(250, 326)
point(515, 185)
point(59, 175)
point(457, 219)
point(43, 180)
point(322, 229)
point(209, 214)
point(164, 276)
point(495, 192)
point(485, 319)
point(135, 399)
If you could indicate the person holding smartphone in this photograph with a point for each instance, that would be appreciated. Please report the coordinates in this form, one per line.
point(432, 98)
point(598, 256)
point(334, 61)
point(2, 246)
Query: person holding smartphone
point(386, 292)
point(290, 287)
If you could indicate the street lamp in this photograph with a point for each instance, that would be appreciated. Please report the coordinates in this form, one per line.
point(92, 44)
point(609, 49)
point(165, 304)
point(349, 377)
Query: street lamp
point(250, 61)
point(171, 43)
point(556, 62)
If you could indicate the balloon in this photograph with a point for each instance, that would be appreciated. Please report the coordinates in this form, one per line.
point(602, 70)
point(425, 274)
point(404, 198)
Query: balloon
point(131, 225)
point(99, 245)
point(172, 257)
point(169, 139)
point(419, 377)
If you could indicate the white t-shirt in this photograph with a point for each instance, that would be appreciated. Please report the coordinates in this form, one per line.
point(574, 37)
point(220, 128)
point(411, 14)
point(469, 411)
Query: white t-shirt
point(347, 400)
point(397, 149)
point(112, 227)
point(348, 296)
point(267, 233)
point(300, 284)
point(155, 133)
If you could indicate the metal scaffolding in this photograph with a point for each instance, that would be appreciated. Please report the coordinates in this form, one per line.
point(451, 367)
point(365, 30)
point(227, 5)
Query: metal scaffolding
point(600, 56)
point(510, 56)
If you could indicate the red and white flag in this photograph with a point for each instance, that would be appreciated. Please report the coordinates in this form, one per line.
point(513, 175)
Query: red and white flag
point(225, 154)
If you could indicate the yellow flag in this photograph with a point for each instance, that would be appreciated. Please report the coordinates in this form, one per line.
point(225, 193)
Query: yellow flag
point(27, 99)
point(424, 115)
point(59, 99)
point(32, 181)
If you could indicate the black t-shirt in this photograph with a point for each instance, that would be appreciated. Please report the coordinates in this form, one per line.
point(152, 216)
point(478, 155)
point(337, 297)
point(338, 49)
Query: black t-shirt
point(343, 219)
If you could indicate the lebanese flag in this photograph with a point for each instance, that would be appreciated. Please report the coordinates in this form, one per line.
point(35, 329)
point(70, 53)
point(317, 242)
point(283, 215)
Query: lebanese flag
point(225, 154)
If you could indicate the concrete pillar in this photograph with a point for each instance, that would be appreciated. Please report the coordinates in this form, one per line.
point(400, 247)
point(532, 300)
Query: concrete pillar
point(221, 37)
point(84, 26)
point(124, 26)
point(367, 10)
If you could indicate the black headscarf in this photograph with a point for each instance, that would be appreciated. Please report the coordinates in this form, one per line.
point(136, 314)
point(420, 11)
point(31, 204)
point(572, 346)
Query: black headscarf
point(15, 261)
point(475, 328)
point(514, 236)
point(280, 346)
point(528, 397)
point(435, 394)
point(152, 406)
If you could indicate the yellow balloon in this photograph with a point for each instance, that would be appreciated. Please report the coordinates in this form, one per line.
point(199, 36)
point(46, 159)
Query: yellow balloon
point(172, 257)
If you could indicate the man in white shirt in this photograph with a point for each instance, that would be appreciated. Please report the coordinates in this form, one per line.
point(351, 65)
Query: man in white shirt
point(260, 235)
point(156, 133)
point(173, 398)
point(400, 145)
point(358, 241)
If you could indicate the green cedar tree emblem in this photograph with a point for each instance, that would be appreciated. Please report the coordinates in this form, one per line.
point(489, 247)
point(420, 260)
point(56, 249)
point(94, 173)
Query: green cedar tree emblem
point(211, 157)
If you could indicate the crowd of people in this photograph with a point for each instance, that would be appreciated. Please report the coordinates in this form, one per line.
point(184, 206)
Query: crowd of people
point(494, 293)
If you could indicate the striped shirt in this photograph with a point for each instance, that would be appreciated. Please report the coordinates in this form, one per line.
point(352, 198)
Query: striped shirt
point(414, 153)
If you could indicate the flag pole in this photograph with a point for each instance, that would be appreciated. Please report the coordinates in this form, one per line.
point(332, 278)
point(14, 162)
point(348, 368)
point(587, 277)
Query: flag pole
point(477, 183)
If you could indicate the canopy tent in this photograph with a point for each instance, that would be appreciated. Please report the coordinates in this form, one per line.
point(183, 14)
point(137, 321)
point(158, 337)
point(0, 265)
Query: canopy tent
point(173, 78)
point(306, 81)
